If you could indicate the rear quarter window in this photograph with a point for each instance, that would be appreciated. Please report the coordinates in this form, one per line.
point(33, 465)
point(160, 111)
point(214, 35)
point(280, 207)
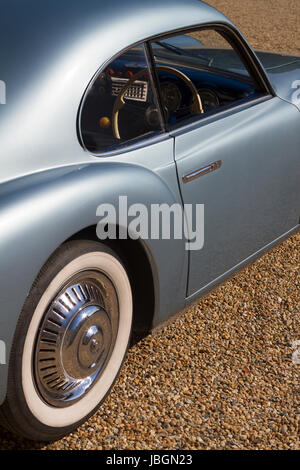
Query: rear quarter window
point(120, 105)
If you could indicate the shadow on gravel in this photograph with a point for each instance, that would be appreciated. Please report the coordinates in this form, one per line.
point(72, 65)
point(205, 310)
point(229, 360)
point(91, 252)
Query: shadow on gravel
point(9, 441)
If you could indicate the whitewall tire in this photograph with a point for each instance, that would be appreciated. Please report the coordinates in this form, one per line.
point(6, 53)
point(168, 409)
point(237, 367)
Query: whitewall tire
point(70, 342)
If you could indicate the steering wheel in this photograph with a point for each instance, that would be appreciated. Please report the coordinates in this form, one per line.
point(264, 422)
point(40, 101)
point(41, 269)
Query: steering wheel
point(120, 102)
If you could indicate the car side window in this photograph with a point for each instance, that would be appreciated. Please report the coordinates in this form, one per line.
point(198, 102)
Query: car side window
point(120, 105)
point(200, 73)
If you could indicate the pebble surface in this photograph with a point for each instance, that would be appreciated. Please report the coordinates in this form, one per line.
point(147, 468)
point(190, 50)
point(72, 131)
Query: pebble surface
point(222, 375)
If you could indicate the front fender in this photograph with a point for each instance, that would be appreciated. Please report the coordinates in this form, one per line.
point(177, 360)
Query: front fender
point(41, 211)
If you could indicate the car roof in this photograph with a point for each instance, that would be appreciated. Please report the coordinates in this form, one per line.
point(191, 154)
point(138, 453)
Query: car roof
point(38, 38)
point(31, 30)
point(70, 13)
point(49, 53)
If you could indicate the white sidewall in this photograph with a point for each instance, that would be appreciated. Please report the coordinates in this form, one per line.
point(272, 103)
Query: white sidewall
point(56, 417)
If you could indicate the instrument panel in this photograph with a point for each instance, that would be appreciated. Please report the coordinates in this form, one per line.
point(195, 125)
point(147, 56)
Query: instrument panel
point(172, 98)
point(210, 100)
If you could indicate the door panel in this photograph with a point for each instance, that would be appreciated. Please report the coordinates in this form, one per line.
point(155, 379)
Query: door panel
point(253, 197)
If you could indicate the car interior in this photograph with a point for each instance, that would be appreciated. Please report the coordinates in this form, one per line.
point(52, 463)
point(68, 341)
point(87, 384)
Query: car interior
point(192, 78)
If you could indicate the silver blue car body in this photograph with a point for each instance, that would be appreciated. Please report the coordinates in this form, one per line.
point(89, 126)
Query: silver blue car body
point(50, 186)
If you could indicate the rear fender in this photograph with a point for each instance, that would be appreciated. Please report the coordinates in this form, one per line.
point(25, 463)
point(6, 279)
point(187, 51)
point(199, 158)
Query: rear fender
point(41, 211)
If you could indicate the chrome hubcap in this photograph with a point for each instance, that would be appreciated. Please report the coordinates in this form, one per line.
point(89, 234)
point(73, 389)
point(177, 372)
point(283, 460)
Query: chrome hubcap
point(76, 339)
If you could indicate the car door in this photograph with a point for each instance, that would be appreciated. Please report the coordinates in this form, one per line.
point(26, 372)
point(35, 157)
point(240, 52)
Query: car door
point(239, 157)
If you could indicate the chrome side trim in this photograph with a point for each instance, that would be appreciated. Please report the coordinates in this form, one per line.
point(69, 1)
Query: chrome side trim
point(202, 171)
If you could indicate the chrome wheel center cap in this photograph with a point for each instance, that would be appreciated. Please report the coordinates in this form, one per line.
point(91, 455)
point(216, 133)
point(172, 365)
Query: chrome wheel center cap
point(86, 342)
point(76, 339)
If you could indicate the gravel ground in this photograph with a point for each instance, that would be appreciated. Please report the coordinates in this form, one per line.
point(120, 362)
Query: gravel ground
point(222, 375)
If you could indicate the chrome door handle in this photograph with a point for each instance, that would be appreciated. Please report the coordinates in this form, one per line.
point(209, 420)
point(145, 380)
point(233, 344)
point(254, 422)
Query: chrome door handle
point(202, 171)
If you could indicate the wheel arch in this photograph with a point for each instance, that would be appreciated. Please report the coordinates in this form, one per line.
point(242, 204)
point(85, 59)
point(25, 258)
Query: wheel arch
point(142, 273)
point(41, 211)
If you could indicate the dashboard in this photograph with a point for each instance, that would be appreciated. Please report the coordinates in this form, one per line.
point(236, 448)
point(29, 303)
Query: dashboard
point(215, 90)
point(140, 114)
point(172, 98)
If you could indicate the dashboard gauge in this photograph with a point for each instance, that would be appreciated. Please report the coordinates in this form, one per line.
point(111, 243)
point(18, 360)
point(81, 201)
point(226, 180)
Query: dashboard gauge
point(171, 96)
point(153, 117)
point(209, 100)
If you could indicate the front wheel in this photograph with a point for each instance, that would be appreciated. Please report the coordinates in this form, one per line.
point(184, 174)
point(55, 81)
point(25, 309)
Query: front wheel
point(70, 341)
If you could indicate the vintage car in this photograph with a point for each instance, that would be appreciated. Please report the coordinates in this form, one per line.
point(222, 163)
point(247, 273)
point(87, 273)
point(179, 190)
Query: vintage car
point(162, 102)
